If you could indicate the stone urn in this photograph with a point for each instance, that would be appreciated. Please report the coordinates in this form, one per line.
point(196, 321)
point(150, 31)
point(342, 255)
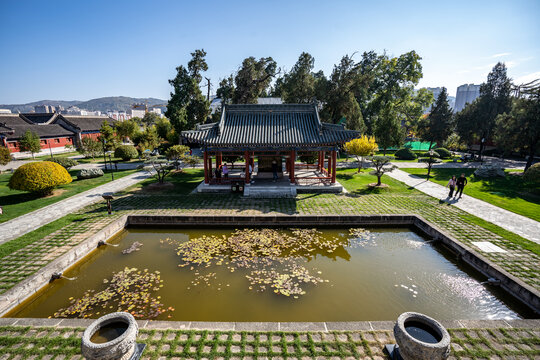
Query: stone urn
point(420, 337)
point(110, 337)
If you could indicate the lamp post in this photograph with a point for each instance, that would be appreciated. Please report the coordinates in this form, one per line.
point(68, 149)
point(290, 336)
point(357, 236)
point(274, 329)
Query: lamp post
point(482, 147)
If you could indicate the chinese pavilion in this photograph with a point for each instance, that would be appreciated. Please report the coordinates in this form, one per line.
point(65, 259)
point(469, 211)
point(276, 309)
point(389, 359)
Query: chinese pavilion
point(271, 134)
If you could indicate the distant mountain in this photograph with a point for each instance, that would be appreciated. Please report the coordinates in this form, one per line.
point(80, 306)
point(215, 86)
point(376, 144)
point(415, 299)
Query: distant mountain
point(119, 103)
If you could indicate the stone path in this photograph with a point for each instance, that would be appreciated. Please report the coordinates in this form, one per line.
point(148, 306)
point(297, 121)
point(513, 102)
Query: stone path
point(521, 225)
point(23, 224)
point(60, 339)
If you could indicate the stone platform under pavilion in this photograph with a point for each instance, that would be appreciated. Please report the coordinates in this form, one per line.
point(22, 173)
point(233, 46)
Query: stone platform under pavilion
point(270, 137)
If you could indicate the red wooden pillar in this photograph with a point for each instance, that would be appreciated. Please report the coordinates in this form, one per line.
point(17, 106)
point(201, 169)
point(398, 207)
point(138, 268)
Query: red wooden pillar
point(323, 155)
point(291, 171)
point(219, 159)
point(248, 162)
point(206, 178)
point(210, 174)
point(330, 164)
point(319, 166)
point(334, 166)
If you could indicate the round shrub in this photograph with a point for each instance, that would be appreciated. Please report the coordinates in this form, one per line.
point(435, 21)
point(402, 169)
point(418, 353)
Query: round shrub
point(65, 162)
point(39, 177)
point(126, 152)
point(405, 154)
point(435, 154)
point(89, 173)
point(5, 155)
point(532, 175)
point(443, 153)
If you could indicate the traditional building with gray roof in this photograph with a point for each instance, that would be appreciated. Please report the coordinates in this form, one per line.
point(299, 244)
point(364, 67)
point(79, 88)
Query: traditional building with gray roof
point(271, 133)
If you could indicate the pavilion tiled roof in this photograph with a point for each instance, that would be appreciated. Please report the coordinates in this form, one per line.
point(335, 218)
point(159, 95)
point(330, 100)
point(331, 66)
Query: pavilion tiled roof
point(39, 118)
point(274, 126)
point(85, 122)
point(12, 119)
point(44, 131)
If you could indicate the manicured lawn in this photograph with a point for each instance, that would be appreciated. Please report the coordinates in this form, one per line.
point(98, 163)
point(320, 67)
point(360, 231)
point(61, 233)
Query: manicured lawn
point(16, 203)
point(508, 193)
point(357, 183)
point(184, 182)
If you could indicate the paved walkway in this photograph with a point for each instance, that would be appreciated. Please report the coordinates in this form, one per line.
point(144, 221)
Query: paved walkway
point(25, 223)
point(521, 225)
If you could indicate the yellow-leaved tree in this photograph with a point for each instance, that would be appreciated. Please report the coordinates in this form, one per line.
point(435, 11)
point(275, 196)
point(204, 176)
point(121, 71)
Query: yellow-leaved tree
point(360, 147)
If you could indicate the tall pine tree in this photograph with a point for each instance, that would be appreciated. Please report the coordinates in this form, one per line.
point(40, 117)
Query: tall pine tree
point(438, 125)
point(476, 121)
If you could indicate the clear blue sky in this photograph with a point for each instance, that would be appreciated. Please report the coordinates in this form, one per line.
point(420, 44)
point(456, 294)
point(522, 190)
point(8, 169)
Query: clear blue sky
point(78, 50)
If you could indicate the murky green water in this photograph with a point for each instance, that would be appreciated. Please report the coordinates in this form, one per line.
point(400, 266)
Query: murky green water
point(376, 278)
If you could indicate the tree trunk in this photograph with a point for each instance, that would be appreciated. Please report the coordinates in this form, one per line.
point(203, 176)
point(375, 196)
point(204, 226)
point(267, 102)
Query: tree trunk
point(360, 162)
point(428, 170)
point(379, 180)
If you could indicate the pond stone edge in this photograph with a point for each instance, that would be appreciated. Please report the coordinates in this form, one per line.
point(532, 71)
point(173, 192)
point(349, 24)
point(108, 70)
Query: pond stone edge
point(510, 283)
point(274, 326)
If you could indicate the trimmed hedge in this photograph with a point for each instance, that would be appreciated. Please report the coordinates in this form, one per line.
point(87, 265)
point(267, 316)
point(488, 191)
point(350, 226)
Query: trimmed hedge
point(89, 173)
point(435, 154)
point(532, 175)
point(39, 177)
point(65, 162)
point(443, 153)
point(126, 152)
point(5, 155)
point(405, 154)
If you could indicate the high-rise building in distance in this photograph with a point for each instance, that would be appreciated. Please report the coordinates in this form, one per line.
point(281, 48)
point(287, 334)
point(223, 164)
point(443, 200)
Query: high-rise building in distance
point(466, 94)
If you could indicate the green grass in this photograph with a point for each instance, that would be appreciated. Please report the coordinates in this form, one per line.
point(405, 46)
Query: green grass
point(508, 193)
point(38, 234)
point(357, 183)
point(16, 203)
point(184, 182)
point(24, 342)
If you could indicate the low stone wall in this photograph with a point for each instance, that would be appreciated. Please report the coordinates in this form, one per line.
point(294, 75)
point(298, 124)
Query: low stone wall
point(270, 220)
point(42, 277)
point(275, 326)
point(513, 285)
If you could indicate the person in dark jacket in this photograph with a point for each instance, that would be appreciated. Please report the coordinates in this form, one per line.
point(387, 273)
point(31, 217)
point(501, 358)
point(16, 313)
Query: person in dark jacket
point(274, 170)
point(461, 182)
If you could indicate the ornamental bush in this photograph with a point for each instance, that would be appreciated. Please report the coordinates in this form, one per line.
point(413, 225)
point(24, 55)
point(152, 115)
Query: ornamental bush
point(532, 175)
point(89, 173)
point(5, 155)
point(435, 154)
point(39, 177)
point(443, 153)
point(126, 152)
point(65, 162)
point(405, 154)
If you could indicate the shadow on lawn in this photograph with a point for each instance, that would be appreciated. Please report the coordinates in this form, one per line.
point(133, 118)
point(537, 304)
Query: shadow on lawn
point(511, 186)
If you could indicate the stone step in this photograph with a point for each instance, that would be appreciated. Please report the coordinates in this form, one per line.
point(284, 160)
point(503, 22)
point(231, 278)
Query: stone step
point(270, 191)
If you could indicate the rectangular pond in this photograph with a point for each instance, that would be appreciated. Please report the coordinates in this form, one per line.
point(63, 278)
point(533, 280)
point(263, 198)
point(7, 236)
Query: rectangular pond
point(218, 274)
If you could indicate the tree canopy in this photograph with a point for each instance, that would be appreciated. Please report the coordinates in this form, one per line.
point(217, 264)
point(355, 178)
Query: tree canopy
point(30, 142)
point(187, 105)
point(477, 120)
point(438, 125)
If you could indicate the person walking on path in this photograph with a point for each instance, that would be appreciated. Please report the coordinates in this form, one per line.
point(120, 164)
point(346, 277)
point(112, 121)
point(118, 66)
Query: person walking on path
point(461, 182)
point(225, 171)
point(274, 170)
point(452, 185)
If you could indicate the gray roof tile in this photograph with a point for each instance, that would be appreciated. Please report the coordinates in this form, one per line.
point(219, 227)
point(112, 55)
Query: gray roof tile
point(292, 125)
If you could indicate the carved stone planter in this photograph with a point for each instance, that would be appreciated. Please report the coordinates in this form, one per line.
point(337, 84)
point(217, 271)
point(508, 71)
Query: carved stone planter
point(110, 337)
point(420, 337)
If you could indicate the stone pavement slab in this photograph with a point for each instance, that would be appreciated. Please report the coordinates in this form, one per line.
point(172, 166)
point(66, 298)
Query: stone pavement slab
point(25, 223)
point(518, 224)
